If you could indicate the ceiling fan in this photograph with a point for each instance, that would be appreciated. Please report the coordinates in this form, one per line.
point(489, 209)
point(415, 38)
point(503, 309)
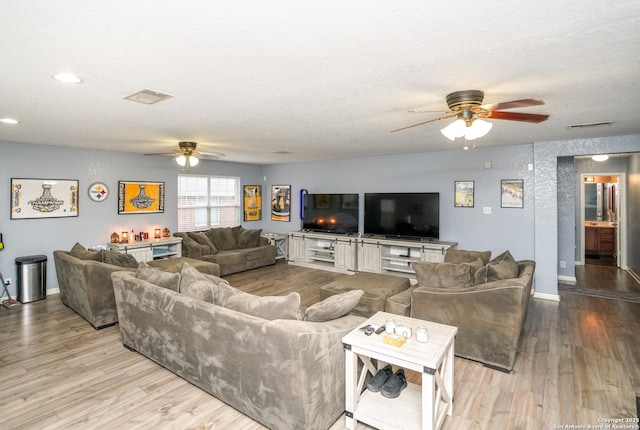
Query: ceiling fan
point(467, 107)
point(187, 155)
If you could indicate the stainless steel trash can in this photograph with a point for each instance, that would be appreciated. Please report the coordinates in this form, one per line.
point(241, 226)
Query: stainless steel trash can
point(32, 278)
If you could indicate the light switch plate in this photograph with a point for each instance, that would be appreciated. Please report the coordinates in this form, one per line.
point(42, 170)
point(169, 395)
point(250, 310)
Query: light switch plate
point(486, 210)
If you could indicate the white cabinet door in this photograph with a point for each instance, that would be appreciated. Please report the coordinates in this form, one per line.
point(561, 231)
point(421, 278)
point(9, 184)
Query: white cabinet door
point(369, 257)
point(432, 255)
point(296, 248)
point(345, 254)
point(141, 254)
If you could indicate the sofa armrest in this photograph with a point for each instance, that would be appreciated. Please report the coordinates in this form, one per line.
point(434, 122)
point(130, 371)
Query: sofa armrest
point(191, 248)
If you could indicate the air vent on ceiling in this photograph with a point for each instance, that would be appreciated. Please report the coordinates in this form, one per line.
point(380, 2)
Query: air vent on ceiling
point(590, 124)
point(148, 96)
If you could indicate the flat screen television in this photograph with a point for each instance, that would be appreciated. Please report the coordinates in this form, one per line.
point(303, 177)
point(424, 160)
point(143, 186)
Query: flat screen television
point(410, 215)
point(331, 213)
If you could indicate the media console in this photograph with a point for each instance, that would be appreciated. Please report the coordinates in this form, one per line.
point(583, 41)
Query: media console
point(345, 253)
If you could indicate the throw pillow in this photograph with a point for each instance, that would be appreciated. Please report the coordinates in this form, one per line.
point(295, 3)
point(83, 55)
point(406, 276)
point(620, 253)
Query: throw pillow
point(189, 276)
point(267, 307)
point(249, 238)
point(443, 275)
point(333, 307)
point(201, 290)
point(83, 253)
point(504, 266)
point(203, 239)
point(119, 259)
point(223, 238)
point(462, 256)
point(160, 278)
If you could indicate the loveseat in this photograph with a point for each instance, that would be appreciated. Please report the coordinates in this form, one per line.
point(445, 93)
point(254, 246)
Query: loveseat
point(486, 300)
point(250, 352)
point(234, 249)
point(84, 280)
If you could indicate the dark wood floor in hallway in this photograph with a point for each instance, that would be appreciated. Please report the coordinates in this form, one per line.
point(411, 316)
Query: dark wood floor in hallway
point(578, 363)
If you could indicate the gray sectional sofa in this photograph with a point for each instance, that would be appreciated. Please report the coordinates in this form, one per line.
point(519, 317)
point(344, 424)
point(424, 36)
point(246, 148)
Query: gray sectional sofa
point(486, 300)
point(84, 279)
point(234, 249)
point(250, 352)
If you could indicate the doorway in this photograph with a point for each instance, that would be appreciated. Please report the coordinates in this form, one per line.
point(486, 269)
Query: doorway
point(603, 219)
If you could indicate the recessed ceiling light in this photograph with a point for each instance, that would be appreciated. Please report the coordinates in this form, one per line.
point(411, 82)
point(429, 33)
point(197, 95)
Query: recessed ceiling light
point(67, 78)
point(601, 157)
point(9, 120)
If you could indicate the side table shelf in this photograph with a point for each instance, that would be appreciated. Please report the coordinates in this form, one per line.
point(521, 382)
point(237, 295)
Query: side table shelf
point(149, 250)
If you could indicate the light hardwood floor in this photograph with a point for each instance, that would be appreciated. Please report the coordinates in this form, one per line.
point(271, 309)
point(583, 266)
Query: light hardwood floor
point(579, 361)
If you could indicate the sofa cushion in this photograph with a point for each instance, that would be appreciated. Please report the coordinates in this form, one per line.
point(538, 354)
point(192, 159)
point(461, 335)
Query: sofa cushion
point(83, 253)
point(222, 238)
point(443, 275)
point(504, 266)
point(333, 307)
point(267, 307)
point(201, 290)
point(160, 278)
point(189, 275)
point(249, 238)
point(463, 256)
point(119, 259)
point(202, 239)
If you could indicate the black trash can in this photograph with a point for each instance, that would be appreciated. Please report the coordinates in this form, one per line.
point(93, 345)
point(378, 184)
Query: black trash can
point(32, 278)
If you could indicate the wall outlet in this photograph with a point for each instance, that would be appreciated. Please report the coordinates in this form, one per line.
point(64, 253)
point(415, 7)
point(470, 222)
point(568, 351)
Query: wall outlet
point(563, 264)
point(7, 282)
point(486, 210)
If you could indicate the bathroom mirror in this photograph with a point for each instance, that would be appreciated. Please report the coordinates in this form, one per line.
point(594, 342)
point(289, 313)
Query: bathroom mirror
point(600, 198)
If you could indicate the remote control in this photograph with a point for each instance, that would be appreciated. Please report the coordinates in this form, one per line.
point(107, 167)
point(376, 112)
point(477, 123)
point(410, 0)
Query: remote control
point(380, 329)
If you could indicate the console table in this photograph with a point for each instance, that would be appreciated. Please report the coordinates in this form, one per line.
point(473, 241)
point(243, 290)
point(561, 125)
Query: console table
point(417, 407)
point(148, 250)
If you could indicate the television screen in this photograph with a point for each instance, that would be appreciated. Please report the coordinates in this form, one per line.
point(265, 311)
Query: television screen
point(402, 214)
point(331, 213)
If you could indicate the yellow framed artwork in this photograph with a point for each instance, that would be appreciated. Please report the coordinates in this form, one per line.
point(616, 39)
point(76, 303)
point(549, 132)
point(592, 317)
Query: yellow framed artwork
point(140, 197)
point(252, 202)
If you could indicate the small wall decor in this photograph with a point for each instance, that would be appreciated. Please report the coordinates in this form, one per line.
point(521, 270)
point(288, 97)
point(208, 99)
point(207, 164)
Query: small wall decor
point(281, 203)
point(512, 193)
point(252, 202)
point(98, 192)
point(463, 194)
point(44, 198)
point(140, 197)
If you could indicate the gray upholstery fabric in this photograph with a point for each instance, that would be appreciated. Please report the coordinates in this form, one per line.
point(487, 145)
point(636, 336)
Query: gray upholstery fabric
point(232, 255)
point(85, 285)
point(443, 275)
point(333, 307)
point(285, 374)
point(267, 307)
point(175, 265)
point(454, 255)
point(377, 288)
point(203, 239)
point(119, 259)
point(489, 316)
point(503, 266)
point(158, 277)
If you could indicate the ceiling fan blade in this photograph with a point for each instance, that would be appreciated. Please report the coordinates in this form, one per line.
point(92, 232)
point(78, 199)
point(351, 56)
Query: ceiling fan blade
point(425, 122)
point(512, 104)
point(208, 155)
point(516, 116)
point(165, 153)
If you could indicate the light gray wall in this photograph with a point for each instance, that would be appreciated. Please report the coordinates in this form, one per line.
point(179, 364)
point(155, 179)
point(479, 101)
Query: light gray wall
point(566, 215)
point(96, 221)
point(505, 228)
point(633, 212)
point(546, 225)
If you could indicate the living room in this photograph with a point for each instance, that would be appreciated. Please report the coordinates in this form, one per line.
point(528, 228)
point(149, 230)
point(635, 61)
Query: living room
point(306, 95)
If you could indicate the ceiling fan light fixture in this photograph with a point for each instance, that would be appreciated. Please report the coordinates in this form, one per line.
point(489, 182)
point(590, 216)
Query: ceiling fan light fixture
point(454, 130)
point(193, 161)
point(181, 160)
point(601, 157)
point(478, 129)
point(184, 160)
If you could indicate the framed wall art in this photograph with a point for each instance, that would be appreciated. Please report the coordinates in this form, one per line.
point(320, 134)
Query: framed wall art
point(43, 198)
point(463, 194)
point(512, 193)
point(252, 202)
point(281, 202)
point(98, 192)
point(140, 197)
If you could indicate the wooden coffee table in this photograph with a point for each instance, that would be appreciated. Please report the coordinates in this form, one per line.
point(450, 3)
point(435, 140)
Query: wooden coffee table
point(417, 407)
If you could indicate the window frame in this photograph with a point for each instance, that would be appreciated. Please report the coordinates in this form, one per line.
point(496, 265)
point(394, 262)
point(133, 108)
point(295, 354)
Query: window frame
point(211, 206)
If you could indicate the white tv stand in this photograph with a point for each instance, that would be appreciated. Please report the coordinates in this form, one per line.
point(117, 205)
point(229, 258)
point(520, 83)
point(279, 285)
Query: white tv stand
point(345, 253)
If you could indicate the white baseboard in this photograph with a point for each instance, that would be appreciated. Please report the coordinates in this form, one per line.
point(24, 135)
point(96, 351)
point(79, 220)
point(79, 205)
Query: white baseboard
point(53, 291)
point(546, 296)
point(567, 279)
point(634, 275)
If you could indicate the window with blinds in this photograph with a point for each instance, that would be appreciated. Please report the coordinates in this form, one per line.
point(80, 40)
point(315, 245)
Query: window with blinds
point(208, 201)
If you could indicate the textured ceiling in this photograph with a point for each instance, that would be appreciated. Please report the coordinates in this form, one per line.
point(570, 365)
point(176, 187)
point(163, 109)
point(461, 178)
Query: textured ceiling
point(313, 79)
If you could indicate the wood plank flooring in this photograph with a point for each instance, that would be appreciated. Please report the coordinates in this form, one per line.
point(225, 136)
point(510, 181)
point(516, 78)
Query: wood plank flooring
point(579, 361)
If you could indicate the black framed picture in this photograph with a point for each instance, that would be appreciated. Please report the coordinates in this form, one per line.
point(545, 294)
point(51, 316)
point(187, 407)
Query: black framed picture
point(463, 194)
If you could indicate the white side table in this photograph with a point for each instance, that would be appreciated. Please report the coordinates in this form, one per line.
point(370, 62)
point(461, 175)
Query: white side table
point(417, 407)
point(280, 241)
